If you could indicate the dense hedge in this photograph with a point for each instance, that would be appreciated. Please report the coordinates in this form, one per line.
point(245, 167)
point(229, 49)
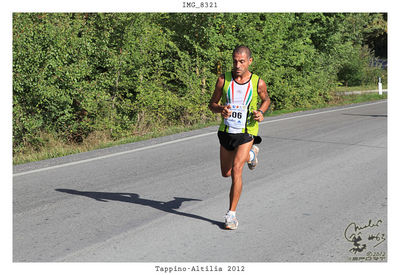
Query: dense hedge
point(124, 73)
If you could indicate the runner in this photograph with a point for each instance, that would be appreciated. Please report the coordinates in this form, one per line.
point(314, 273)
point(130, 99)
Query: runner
point(238, 91)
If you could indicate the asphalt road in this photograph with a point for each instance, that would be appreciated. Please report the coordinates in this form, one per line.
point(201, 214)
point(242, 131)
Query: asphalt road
point(318, 194)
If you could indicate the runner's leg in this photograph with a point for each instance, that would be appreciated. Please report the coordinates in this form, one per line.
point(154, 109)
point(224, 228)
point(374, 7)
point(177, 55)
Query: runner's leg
point(226, 159)
point(241, 157)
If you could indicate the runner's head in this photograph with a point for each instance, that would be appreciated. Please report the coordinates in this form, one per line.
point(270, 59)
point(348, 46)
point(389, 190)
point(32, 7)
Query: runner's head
point(241, 60)
point(242, 49)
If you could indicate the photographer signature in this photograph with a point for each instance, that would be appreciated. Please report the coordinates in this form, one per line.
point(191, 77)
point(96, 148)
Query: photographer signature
point(354, 234)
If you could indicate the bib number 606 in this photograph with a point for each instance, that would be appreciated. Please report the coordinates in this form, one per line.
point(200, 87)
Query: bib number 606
point(237, 115)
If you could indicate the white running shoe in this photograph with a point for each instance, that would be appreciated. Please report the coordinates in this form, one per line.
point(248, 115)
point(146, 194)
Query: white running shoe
point(231, 222)
point(252, 164)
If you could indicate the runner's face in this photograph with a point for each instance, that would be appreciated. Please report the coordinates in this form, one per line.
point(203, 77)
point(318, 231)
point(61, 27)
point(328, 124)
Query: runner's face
point(241, 63)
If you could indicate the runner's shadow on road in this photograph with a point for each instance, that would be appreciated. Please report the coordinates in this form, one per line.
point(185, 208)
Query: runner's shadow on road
point(169, 206)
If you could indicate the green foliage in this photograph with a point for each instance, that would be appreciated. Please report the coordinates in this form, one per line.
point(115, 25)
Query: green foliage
point(77, 73)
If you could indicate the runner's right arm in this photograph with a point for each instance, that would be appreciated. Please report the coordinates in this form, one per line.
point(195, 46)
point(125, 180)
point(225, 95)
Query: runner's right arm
point(214, 105)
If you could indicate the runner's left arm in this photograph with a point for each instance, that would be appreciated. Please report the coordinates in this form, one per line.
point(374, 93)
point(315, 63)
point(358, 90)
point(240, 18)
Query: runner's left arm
point(265, 101)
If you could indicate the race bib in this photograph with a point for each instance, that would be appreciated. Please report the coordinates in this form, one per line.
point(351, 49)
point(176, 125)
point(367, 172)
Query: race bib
point(238, 116)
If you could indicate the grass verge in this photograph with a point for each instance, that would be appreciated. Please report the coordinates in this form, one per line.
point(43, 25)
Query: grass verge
point(99, 140)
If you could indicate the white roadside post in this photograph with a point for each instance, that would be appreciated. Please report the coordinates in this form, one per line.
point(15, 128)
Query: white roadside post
point(380, 86)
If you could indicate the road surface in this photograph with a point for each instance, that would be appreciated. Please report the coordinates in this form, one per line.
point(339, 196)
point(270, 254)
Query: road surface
point(318, 194)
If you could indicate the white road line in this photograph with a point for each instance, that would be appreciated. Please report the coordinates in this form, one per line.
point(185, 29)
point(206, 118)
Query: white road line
point(323, 112)
point(182, 139)
point(112, 155)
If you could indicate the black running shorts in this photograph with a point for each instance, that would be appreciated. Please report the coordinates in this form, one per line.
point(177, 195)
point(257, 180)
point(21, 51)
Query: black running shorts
point(231, 141)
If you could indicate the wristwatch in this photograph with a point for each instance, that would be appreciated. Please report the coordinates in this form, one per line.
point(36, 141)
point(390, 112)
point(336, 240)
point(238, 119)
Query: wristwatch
point(261, 111)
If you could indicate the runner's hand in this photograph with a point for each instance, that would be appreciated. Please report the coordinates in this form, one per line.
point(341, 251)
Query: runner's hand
point(226, 112)
point(258, 116)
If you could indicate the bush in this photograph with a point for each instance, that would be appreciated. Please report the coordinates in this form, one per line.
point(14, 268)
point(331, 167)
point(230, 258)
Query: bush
point(75, 74)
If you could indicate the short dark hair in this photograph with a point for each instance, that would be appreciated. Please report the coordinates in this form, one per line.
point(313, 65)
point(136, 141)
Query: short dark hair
point(241, 49)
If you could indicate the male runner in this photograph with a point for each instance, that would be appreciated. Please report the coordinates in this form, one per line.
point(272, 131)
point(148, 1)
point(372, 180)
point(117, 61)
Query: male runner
point(238, 91)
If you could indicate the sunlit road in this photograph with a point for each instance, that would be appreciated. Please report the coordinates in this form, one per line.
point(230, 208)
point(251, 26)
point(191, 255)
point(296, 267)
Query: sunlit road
point(320, 182)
